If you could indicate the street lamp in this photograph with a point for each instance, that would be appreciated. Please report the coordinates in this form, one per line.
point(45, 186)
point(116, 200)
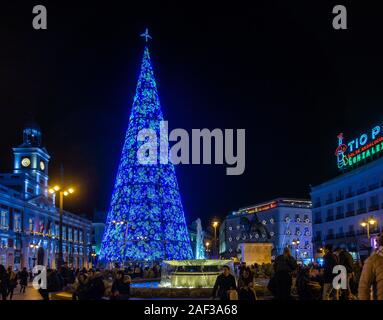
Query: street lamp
point(207, 244)
point(366, 224)
point(296, 244)
point(62, 193)
point(34, 247)
point(215, 225)
point(93, 254)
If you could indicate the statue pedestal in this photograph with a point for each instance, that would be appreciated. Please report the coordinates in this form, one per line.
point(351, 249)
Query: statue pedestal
point(256, 253)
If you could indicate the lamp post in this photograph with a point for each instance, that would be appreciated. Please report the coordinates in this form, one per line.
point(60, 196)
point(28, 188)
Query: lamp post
point(366, 224)
point(207, 244)
point(296, 244)
point(34, 247)
point(93, 254)
point(215, 225)
point(62, 194)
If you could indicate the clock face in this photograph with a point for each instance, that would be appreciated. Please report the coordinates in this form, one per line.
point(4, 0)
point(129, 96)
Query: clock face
point(42, 165)
point(25, 162)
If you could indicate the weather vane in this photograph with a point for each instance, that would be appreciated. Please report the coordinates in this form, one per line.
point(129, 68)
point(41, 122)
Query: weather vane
point(146, 35)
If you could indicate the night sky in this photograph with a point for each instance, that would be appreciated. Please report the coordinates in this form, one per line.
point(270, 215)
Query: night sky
point(276, 68)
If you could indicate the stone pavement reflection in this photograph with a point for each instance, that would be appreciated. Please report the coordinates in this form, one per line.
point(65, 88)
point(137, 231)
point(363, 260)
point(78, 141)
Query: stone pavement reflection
point(30, 294)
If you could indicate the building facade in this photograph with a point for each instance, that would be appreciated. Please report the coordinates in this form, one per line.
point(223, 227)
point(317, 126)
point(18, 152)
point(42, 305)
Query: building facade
point(29, 218)
point(282, 222)
point(348, 207)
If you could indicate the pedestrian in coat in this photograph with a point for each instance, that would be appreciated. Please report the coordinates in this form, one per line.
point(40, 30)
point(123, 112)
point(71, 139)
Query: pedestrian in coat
point(284, 266)
point(3, 282)
point(12, 282)
point(371, 279)
point(23, 279)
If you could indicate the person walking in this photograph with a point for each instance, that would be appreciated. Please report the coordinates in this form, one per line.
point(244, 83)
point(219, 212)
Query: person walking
point(12, 282)
point(329, 262)
point(372, 275)
point(345, 259)
point(23, 279)
point(81, 286)
point(284, 266)
point(3, 282)
point(96, 287)
point(223, 284)
point(246, 286)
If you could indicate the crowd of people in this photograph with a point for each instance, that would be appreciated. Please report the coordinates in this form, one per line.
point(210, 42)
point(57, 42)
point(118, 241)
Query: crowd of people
point(290, 280)
point(91, 284)
point(287, 279)
point(9, 281)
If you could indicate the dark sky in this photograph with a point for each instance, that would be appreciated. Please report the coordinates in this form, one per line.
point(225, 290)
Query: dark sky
point(276, 68)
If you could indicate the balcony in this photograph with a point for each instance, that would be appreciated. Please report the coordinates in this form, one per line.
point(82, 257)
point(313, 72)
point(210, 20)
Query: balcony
point(361, 190)
point(373, 186)
point(350, 234)
point(361, 211)
point(361, 232)
point(340, 235)
point(373, 207)
point(349, 195)
point(316, 204)
point(350, 213)
point(330, 237)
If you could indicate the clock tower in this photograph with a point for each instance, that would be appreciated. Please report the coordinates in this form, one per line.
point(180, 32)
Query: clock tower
point(31, 159)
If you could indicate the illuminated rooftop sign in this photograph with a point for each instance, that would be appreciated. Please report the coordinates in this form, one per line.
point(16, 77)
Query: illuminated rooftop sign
point(366, 147)
point(280, 202)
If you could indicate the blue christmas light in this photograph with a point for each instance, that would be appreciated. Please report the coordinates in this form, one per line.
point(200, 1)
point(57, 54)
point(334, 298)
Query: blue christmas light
point(146, 219)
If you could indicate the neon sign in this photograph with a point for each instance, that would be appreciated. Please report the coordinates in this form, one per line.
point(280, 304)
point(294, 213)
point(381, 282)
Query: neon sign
point(359, 149)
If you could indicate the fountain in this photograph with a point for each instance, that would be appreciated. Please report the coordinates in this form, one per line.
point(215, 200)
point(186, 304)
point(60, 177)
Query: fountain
point(200, 273)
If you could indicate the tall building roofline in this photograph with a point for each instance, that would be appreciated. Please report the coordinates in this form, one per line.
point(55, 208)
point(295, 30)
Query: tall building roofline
point(275, 203)
point(354, 172)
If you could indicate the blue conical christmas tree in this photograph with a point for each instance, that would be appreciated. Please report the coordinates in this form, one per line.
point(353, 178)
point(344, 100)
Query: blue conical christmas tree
point(146, 219)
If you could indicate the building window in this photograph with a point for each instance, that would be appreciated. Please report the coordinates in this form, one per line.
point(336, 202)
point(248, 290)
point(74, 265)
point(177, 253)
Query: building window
point(81, 236)
point(339, 212)
point(17, 222)
point(350, 209)
point(351, 230)
point(330, 215)
point(30, 225)
point(75, 235)
point(64, 232)
point(4, 220)
point(318, 236)
point(4, 243)
point(317, 217)
point(374, 205)
point(362, 206)
point(70, 238)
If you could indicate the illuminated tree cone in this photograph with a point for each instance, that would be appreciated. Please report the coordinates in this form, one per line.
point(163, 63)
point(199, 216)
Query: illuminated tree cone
point(146, 219)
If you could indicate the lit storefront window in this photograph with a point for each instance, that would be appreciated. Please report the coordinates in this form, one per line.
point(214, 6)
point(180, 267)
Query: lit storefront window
point(17, 222)
point(4, 220)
